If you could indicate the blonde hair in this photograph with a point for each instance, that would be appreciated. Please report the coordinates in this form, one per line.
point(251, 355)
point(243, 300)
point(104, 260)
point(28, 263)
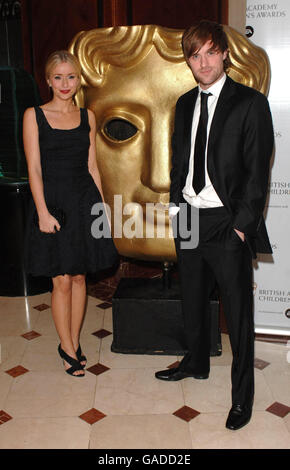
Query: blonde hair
point(58, 57)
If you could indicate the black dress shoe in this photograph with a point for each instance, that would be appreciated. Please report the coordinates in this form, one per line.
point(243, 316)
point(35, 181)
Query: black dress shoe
point(175, 374)
point(238, 417)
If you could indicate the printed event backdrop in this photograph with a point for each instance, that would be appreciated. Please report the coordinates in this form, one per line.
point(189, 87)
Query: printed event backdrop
point(268, 26)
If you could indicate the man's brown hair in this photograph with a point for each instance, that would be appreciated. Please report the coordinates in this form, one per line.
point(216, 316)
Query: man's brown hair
point(197, 35)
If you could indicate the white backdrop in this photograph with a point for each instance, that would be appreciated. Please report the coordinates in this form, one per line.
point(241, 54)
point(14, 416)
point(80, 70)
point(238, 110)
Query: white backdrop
point(269, 24)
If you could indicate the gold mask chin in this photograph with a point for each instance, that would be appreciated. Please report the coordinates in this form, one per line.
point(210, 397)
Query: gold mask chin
point(132, 77)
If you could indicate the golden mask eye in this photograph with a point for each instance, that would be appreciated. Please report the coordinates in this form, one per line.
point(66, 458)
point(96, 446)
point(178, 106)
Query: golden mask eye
point(120, 129)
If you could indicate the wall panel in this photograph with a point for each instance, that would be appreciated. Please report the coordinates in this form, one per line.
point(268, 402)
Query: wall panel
point(48, 25)
point(175, 13)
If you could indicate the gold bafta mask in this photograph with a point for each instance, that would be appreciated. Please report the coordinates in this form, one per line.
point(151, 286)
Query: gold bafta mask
point(132, 77)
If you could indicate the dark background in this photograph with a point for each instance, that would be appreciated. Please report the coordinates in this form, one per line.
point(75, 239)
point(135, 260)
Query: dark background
point(31, 29)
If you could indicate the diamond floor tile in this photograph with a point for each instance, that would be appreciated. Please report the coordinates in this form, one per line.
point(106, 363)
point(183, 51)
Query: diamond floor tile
point(4, 417)
point(31, 335)
point(260, 364)
point(279, 409)
point(16, 371)
point(92, 416)
point(98, 369)
point(104, 305)
point(186, 413)
point(102, 333)
point(41, 307)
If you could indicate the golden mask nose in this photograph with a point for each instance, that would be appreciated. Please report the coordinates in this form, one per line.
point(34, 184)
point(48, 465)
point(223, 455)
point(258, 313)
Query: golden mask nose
point(156, 168)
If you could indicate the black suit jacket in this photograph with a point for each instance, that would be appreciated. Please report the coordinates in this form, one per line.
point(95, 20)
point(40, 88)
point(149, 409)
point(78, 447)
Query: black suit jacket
point(240, 147)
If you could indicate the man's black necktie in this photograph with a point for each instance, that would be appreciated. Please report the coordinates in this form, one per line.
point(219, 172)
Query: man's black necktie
point(198, 181)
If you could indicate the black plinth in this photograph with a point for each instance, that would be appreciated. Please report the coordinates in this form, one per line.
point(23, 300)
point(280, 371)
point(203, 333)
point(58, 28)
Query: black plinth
point(14, 281)
point(147, 319)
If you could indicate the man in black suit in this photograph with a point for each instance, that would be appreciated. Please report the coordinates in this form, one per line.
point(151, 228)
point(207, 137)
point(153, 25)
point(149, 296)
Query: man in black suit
point(222, 145)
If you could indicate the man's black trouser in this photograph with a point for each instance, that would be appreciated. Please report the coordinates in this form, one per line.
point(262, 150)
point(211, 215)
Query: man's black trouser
point(223, 259)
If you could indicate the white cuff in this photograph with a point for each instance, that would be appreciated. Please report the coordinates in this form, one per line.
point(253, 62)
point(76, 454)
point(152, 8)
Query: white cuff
point(173, 210)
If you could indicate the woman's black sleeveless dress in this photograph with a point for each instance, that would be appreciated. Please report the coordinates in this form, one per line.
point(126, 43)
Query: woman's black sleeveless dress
point(70, 192)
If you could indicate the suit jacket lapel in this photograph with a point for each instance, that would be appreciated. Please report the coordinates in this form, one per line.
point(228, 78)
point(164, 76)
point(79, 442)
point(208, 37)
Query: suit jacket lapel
point(223, 106)
point(188, 116)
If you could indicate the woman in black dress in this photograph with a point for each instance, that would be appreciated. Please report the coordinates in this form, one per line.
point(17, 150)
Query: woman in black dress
point(59, 143)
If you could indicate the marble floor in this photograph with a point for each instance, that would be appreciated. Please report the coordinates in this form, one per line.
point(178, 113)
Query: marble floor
point(119, 404)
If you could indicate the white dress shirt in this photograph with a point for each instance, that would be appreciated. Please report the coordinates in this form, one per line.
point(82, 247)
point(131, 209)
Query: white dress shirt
point(207, 196)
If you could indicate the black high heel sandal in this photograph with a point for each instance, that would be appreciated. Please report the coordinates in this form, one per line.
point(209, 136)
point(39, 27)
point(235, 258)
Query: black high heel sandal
point(81, 357)
point(75, 365)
